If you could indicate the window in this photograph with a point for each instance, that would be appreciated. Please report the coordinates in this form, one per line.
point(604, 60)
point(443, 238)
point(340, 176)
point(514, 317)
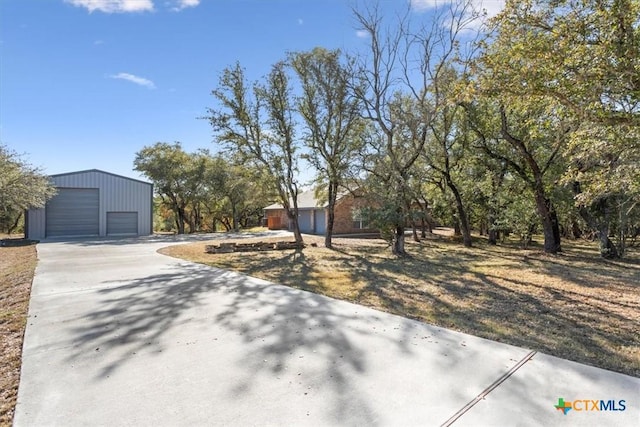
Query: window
point(359, 223)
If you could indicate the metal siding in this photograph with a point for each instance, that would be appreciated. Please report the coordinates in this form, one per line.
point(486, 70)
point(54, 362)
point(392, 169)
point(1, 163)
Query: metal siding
point(122, 223)
point(116, 194)
point(36, 224)
point(73, 212)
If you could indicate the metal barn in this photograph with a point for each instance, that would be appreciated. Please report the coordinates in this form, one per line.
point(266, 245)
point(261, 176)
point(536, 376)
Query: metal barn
point(93, 203)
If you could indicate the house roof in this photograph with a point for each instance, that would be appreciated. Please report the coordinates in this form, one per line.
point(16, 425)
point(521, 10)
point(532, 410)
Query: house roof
point(306, 200)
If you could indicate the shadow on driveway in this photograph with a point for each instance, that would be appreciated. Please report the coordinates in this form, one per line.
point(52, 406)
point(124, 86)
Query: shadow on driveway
point(281, 332)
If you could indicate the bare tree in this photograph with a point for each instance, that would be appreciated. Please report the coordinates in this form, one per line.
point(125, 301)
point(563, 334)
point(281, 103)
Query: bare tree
point(257, 123)
point(399, 85)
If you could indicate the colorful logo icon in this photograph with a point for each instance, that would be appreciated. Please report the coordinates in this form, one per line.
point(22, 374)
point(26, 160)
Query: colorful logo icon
point(580, 405)
point(563, 406)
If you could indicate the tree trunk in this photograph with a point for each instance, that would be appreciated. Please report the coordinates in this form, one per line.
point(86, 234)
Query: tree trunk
point(492, 233)
point(549, 220)
point(296, 231)
point(331, 214)
point(607, 248)
point(397, 241)
point(414, 228)
point(180, 219)
point(15, 224)
point(234, 215)
point(425, 220)
point(414, 231)
point(196, 218)
point(293, 217)
point(462, 215)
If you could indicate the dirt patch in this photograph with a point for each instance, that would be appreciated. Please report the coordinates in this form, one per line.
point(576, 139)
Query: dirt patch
point(17, 266)
point(574, 305)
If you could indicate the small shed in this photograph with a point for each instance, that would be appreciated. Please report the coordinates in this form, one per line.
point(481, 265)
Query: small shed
point(93, 203)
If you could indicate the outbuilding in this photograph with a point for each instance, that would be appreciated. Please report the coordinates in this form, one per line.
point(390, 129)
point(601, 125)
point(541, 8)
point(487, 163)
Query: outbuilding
point(93, 203)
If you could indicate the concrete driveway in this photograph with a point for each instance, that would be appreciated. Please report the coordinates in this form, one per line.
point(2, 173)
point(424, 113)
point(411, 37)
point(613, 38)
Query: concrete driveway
point(120, 335)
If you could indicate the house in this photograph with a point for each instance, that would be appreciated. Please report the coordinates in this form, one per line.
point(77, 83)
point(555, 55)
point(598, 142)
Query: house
point(313, 215)
point(93, 203)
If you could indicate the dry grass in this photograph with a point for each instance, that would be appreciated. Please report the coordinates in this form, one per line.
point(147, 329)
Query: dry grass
point(17, 266)
point(573, 305)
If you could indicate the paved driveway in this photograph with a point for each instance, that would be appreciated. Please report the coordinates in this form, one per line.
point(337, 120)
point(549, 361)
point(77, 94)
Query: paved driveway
point(120, 335)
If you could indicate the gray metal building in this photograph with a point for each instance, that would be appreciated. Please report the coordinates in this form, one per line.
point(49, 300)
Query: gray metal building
point(93, 203)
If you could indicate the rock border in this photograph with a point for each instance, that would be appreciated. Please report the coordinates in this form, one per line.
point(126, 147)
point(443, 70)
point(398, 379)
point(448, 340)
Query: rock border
point(226, 248)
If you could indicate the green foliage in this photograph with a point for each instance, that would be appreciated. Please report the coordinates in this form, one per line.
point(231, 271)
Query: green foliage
point(583, 55)
point(331, 121)
point(541, 130)
point(197, 191)
point(175, 174)
point(22, 187)
point(256, 123)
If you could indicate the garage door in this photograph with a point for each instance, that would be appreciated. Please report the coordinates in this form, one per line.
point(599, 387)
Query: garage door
point(304, 221)
point(119, 223)
point(73, 212)
point(321, 225)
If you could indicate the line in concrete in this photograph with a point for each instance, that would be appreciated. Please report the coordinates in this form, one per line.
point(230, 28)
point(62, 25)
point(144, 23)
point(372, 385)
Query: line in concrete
point(488, 390)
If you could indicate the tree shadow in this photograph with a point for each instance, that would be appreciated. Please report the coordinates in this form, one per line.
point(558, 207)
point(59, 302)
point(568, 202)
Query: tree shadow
point(278, 327)
point(437, 285)
point(162, 238)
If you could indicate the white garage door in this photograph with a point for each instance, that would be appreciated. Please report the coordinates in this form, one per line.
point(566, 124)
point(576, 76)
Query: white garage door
point(73, 212)
point(121, 223)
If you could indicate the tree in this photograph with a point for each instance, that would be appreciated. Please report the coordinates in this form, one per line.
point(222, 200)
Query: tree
point(398, 86)
point(331, 115)
point(257, 124)
point(177, 177)
point(585, 56)
point(22, 187)
point(446, 146)
point(604, 171)
point(528, 138)
point(244, 193)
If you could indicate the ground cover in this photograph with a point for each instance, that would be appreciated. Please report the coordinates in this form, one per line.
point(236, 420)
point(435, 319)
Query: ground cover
point(17, 266)
point(574, 305)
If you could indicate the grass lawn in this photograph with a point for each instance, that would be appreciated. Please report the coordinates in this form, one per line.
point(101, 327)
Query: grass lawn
point(574, 305)
point(17, 265)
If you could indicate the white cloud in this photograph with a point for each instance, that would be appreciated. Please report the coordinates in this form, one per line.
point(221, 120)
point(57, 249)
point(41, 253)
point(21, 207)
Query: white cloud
point(300, 21)
point(114, 6)
point(363, 34)
point(492, 7)
point(183, 4)
point(124, 6)
point(134, 79)
point(421, 5)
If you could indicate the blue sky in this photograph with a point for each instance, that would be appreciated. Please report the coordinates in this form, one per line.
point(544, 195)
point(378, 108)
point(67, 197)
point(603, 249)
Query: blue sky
point(87, 83)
